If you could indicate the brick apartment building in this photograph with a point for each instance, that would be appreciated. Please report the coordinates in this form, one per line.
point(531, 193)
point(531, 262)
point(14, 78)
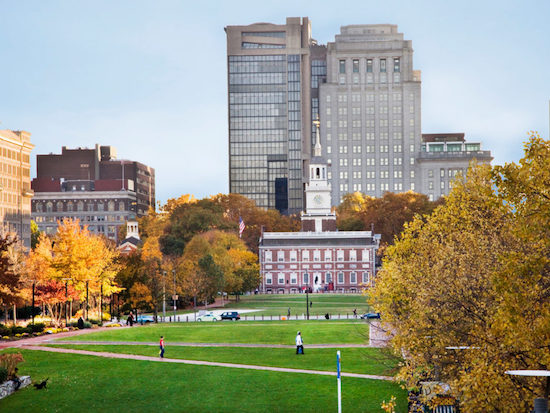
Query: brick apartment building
point(93, 186)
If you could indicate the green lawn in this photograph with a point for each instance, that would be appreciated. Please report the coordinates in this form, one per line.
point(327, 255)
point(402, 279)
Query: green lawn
point(92, 384)
point(278, 304)
point(354, 360)
point(313, 332)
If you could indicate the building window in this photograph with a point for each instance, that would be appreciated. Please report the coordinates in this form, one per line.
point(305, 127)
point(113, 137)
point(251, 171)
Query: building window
point(59, 206)
point(70, 206)
point(442, 184)
point(267, 256)
point(355, 65)
point(49, 206)
point(328, 277)
point(268, 278)
point(340, 278)
point(365, 277)
point(316, 255)
point(280, 256)
point(342, 66)
point(281, 279)
point(305, 255)
point(111, 206)
point(340, 255)
point(366, 255)
point(328, 255)
point(430, 185)
point(100, 206)
point(293, 255)
point(383, 65)
point(353, 277)
point(353, 255)
point(369, 65)
point(306, 278)
point(396, 65)
point(80, 206)
point(293, 278)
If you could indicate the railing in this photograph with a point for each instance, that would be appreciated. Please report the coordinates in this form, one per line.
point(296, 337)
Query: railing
point(188, 318)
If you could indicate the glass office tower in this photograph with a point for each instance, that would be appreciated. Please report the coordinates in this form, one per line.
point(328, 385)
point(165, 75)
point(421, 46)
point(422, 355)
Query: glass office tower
point(269, 112)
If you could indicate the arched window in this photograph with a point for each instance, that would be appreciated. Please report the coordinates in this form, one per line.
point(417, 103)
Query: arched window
point(121, 206)
point(100, 206)
point(59, 206)
point(90, 206)
point(80, 206)
point(39, 207)
point(111, 206)
point(70, 206)
point(49, 207)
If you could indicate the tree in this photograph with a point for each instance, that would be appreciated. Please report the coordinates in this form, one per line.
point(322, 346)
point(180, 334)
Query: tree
point(10, 279)
point(387, 215)
point(476, 274)
point(35, 234)
point(54, 295)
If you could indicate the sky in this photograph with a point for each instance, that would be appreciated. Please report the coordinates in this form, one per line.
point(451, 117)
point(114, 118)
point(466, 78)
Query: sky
point(150, 77)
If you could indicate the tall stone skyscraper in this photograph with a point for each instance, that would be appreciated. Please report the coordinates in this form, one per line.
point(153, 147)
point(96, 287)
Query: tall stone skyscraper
point(370, 111)
point(269, 111)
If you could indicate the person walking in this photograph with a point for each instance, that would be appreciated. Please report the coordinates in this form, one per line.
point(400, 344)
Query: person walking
point(299, 344)
point(355, 313)
point(288, 312)
point(161, 344)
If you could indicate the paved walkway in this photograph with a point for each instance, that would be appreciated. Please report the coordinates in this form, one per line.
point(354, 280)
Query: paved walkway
point(250, 345)
point(203, 363)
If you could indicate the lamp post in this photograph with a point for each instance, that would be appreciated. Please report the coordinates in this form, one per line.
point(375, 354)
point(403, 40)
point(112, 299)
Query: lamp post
point(174, 297)
point(541, 403)
point(163, 295)
point(66, 298)
point(32, 308)
point(307, 302)
point(86, 300)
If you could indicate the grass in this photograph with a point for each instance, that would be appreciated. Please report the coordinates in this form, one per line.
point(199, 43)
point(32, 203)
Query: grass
point(354, 360)
point(91, 384)
point(278, 304)
point(314, 332)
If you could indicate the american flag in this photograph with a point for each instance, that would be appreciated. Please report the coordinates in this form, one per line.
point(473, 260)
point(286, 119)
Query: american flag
point(241, 226)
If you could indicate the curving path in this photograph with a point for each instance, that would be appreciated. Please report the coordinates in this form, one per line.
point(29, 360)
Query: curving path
point(180, 344)
point(202, 363)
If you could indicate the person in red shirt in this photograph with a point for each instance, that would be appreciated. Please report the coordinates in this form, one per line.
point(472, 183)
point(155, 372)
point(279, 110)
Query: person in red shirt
point(161, 344)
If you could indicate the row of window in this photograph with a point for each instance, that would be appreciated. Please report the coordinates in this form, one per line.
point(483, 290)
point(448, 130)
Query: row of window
point(382, 65)
point(343, 123)
point(371, 187)
point(71, 206)
point(371, 161)
point(369, 110)
point(368, 97)
point(370, 135)
point(352, 277)
point(292, 255)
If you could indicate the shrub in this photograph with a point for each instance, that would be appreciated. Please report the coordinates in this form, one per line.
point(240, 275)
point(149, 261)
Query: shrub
point(20, 330)
point(5, 331)
point(3, 374)
point(10, 362)
point(113, 325)
point(37, 327)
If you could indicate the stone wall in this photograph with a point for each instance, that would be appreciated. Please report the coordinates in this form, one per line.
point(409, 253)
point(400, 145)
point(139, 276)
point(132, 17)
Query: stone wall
point(8, 387)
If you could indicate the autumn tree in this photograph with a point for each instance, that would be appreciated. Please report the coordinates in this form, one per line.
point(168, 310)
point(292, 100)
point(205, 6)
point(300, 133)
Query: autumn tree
point(475, 275)
point(386, 215)
point(10, 278)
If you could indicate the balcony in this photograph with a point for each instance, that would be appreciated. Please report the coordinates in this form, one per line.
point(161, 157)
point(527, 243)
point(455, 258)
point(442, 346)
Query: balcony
point(432, 156)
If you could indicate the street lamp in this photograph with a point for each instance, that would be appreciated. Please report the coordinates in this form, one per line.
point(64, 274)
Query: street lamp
point(66, 298)
point(541, 403)
point(163, 295)
point(174, 297)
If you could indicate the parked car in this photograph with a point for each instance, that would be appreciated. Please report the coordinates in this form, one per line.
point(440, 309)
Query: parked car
point(370, 316)
point(209, 317)
point(143, 319)
point(230, 315)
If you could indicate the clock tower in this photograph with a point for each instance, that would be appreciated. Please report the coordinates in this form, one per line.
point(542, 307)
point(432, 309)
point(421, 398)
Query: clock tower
point(318, 216)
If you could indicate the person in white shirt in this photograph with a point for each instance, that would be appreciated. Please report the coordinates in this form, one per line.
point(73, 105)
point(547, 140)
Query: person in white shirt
point(299, 344)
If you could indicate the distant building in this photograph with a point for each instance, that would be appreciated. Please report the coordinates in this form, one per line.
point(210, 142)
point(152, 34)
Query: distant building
point(319, 258)
point(93, 186)
point(362, 87)
point(15, 184)
point(268, 71)
point(442, 156)
point(131, 243)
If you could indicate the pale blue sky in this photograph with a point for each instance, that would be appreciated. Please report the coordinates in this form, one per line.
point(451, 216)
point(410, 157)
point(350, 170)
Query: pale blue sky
point(149, 77)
